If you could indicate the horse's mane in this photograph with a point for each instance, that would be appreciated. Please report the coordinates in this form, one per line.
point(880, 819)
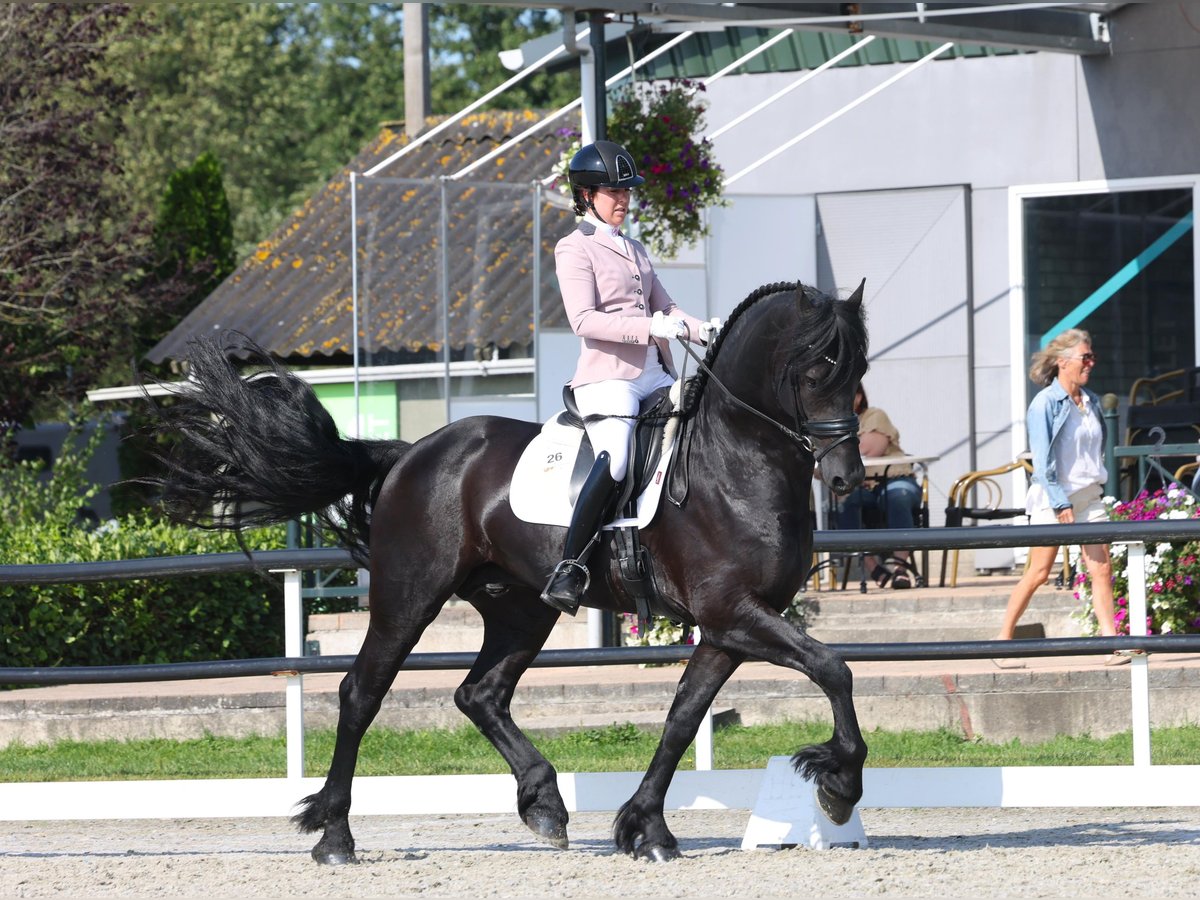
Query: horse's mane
point(826, 329)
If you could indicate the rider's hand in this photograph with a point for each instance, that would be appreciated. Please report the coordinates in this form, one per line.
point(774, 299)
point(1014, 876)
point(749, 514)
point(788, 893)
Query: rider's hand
point(667, 326)
point(709, 330)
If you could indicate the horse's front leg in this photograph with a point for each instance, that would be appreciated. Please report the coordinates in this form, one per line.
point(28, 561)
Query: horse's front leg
point(513, 635)
point(641, 828)
point(835, 766)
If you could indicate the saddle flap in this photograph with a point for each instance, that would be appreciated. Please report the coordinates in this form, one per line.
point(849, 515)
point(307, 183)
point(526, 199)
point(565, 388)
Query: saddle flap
point(552, 468)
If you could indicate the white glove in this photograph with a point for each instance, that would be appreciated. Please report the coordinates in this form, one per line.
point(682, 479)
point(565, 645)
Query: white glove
point(709, 330)
point(666, 326)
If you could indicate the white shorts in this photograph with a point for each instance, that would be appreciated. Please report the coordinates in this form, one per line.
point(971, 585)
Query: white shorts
point(1087, 505)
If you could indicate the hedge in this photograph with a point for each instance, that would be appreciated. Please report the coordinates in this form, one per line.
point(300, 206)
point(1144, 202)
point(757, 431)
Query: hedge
point(182, 619)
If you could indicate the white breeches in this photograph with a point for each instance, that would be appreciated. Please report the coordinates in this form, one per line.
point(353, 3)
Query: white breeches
point(617, 398)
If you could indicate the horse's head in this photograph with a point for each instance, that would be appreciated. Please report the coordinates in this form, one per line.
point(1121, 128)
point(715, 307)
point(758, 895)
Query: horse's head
point(826, 358)
point(793, 356)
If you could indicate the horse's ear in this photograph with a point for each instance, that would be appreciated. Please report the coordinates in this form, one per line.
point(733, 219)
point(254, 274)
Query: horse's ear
point(855, 299)
point(803, 297)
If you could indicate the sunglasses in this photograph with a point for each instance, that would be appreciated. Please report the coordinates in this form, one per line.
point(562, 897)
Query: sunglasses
point(1088, 359)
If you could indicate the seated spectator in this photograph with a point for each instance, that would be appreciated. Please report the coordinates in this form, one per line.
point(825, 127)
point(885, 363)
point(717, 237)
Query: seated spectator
point(898, 496)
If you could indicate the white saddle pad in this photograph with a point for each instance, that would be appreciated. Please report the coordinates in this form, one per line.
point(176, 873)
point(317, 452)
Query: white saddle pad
point(540, 491)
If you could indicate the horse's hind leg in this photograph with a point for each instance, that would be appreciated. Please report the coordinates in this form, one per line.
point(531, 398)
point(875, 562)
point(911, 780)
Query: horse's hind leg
point(389, 640)
point(835, 766)
point(516, 626)
point(640, 828)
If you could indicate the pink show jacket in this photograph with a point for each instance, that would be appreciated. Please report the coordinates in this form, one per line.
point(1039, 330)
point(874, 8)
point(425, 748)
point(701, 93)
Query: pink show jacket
point(609, 298)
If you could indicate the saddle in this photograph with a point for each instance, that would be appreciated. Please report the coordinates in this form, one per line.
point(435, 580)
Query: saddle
point(632, 570)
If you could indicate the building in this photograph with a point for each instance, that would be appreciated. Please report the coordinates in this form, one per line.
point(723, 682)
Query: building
point(1039, 172)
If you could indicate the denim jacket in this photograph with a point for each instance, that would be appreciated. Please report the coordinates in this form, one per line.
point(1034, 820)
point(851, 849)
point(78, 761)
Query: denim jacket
point(1044, 422)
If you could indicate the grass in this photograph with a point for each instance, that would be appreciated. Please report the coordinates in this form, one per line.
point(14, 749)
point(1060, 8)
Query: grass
point(620, 748)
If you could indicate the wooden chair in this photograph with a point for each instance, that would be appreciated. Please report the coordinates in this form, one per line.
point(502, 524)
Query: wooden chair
point(960, 509)
point(1186, 475)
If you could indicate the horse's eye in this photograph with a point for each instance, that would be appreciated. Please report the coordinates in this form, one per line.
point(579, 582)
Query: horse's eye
point(810, 382)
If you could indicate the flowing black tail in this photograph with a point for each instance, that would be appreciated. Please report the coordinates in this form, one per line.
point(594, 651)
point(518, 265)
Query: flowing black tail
point(256, 450)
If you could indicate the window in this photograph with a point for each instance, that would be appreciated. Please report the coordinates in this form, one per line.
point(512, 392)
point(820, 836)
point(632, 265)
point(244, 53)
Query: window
point(1119, 265)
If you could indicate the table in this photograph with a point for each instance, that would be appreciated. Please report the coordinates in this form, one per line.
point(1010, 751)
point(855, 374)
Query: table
point(824, 502)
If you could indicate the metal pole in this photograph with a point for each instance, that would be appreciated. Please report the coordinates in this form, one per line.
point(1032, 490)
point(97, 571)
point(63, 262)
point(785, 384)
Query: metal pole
point(444, 241)
point(354, 290)
point(1112, 466)
point(783, 92)
point(1139, 676)
point(742, 60)
point(536, 268)
point(293, 642)
point(704, 736)
point(462, 113)
point(837, 114)
point(599, 94)
point(542, 123)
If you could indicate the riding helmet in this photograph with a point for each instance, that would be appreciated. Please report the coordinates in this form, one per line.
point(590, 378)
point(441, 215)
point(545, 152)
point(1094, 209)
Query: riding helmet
point(603, 164)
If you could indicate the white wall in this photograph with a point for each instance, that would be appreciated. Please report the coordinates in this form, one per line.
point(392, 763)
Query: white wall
point(988, 123)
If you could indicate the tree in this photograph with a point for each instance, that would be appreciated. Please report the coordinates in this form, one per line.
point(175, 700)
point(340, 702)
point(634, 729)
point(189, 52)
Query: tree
point(224, 78)
point(467, 40)
point(71, 254)
point(285, 94)
point(100, 104)
point(193, 240)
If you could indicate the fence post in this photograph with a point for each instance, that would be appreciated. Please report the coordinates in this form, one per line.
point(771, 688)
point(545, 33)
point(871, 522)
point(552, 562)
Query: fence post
point(1111, 463)
point(1139, 676)
point(293, 644)
point(704, 735)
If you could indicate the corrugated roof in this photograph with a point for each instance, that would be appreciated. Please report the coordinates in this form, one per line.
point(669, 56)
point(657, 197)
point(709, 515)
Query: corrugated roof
point(706, 52)
point(293, 295)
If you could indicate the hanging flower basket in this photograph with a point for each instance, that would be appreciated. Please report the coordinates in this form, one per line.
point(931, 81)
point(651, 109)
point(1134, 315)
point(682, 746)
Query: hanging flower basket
point(661, 124)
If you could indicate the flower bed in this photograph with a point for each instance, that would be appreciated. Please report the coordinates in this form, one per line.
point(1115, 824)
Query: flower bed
point(1172, 569)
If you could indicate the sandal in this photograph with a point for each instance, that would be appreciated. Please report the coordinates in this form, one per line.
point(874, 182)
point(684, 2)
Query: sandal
point(881, 576)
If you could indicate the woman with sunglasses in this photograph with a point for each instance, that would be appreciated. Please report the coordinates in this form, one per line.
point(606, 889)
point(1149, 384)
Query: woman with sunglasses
point(625, 320)
point(1066, 437)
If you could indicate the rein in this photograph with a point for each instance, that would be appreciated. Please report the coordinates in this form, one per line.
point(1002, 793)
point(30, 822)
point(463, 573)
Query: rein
point(843, 429)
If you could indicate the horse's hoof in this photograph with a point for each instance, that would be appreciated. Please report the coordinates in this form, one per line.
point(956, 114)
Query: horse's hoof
point(328, 858)
point(549, 830)
point(836, 809)
point(657, 853)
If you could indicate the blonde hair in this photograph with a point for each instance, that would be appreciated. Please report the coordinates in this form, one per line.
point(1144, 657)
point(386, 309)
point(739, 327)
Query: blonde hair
point(1043, 366)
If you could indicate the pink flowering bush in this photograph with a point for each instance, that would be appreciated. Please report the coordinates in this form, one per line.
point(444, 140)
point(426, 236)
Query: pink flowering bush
point(1172, 570)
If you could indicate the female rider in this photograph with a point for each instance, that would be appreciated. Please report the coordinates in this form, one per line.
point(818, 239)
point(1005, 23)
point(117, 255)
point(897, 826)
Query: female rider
point(625, 319)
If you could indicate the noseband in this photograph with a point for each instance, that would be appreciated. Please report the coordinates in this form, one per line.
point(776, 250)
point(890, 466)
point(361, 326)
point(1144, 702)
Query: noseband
point(843, 429)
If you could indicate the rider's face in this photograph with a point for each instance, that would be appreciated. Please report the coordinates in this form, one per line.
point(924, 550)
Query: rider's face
point(611, 204)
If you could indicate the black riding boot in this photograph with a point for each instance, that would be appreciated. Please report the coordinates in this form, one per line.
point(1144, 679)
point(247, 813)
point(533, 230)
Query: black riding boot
point(571, 578)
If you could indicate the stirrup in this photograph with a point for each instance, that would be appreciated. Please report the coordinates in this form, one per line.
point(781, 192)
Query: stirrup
point(562, 604)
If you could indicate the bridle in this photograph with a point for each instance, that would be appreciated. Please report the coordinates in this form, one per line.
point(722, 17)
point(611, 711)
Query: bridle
point(807, 429)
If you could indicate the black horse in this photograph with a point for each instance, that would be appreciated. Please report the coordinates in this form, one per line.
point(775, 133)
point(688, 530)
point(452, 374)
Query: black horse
point(436, 518)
